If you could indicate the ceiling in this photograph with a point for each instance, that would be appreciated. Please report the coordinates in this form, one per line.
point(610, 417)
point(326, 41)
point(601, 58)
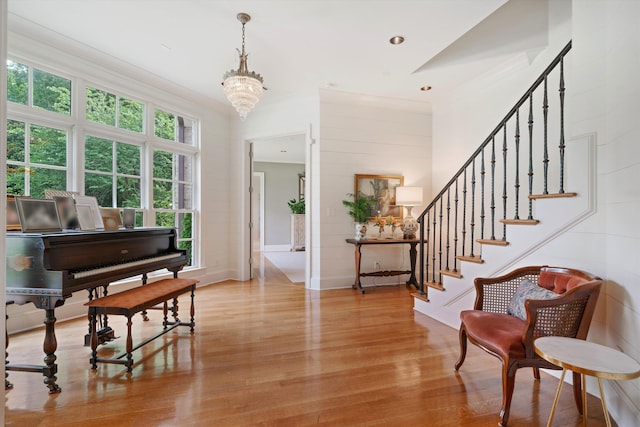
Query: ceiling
point(298, 46)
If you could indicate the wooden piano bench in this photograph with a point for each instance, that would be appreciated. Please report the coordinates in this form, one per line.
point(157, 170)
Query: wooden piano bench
point(132, 301)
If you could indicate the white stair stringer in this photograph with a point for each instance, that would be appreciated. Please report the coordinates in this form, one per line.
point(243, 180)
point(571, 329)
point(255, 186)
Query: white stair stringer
point(556, 216)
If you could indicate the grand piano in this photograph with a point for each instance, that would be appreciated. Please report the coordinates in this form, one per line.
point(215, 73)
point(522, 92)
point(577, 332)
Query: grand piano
point(47, 268)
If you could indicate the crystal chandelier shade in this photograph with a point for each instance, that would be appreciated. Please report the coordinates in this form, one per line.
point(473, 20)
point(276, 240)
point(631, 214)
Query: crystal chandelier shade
point(243, 87)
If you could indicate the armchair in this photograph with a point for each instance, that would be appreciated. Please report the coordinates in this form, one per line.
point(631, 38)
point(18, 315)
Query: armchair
point(566, 312)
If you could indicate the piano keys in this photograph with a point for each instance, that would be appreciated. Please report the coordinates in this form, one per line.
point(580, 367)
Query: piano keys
point(47, 268)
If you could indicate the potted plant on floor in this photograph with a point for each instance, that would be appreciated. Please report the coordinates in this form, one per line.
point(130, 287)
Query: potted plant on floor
point(297, 223)
point(360, 210)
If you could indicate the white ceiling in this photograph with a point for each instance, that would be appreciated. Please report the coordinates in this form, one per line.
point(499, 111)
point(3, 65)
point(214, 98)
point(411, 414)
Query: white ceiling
point(298, 46)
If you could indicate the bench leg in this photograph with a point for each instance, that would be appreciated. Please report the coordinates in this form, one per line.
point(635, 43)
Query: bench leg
point(129, 363)
point(192, 322)
point(165, 312)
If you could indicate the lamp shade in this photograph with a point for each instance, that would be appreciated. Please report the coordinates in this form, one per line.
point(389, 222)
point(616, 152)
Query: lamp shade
point(409, 196)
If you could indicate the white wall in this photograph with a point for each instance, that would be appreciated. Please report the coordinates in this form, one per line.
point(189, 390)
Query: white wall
point(464, 117)
point(606, 66)
point(602, 100)
point(362, 135)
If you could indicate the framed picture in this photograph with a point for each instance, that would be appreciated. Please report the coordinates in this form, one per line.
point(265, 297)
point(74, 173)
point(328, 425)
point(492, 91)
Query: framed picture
point(111, 218)
point(382, 188)
point(67, 211)
point(92, 202)
point(13, 220)
point(85, 217)
point(38, 215)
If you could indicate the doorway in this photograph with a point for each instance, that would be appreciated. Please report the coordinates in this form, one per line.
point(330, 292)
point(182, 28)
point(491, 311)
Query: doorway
point(277, 163)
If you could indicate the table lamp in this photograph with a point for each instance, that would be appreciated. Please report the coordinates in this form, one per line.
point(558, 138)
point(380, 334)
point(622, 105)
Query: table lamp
point(409, 197)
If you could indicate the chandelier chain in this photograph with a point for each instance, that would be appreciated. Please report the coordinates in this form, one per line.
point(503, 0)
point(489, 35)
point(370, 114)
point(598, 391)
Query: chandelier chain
point(243, 24)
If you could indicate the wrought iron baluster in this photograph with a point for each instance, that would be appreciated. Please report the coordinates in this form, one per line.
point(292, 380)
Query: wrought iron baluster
point(482, 176)
point(433, 256)
point(464, 211)
point(448, 241)
point(517, 155)
point(455, 229)
point(440, 232)
point(493, 187)
point(562, 146)
point(473, 204)
point(504, 181)
point(545, 154)
point(423, 262)
point(530, 215)
point(426, 245)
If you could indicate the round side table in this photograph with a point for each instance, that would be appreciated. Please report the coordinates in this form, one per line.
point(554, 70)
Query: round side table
point(586, 358)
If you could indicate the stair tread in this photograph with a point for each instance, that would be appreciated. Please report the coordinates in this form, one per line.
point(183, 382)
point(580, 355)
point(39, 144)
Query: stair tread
point(421, 296)
point(494, 242)
point(520, 221)
point(475, 259)
point(552, 195)
point(435, 285)
point(451, 273)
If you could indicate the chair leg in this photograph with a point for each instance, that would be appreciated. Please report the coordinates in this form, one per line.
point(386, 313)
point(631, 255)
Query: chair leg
point(508, 384)
point(536, 373)
point(577, 391)
point(463, 347)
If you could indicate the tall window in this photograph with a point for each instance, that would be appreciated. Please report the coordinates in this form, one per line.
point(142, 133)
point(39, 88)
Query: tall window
point(173, 194)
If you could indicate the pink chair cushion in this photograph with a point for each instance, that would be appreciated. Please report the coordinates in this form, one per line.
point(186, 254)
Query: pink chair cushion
point(499, 333)
point(559, 282)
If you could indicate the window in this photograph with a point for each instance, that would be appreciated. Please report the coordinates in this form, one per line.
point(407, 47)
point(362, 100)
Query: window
point(112, 172)
point(36, 158)
point(173, 194)
point(17, 83)
point(49, 91)
point(172, 127)
point(113, 110)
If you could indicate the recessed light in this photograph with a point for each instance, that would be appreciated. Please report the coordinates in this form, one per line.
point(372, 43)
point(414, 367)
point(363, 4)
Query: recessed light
point(396, 40)
point(425, 88)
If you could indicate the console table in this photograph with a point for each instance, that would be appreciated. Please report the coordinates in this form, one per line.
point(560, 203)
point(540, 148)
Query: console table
point(586, 358)
point(412, 256)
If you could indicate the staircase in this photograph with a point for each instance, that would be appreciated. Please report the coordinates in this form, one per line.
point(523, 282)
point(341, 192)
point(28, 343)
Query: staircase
point(507, 200)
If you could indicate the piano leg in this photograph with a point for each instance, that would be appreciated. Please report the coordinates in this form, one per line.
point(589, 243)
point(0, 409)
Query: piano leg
point(7, 383)
point(49, 347)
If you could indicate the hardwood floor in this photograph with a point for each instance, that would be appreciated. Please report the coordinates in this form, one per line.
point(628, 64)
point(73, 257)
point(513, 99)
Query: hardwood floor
point(268, 352)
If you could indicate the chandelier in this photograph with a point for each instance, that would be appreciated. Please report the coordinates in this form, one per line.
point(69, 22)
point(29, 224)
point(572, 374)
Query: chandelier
point(243, 87)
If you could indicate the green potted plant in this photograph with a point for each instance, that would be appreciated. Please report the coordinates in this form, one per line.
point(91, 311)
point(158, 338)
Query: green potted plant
point(297, 207)
point(360, 210)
